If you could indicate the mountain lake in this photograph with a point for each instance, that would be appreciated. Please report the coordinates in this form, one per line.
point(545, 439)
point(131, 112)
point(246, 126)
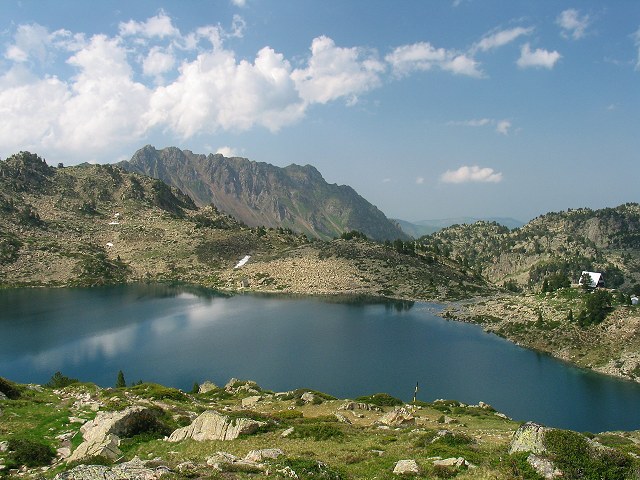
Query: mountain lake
point(345, 347)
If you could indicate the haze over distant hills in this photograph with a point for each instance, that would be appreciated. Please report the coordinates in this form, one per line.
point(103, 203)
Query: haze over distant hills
point(260, 194)
point(427, 227)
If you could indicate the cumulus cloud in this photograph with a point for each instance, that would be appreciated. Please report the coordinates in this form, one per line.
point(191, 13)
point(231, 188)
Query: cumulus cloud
point(334, 72)
point(466, 174)
point(158, 26)
point(537, 58)
point(158, 61)
point(423, 56)
point(420, 180)
point(500, 38)
point(573, 24)
point(239, 3)
point(227, 151)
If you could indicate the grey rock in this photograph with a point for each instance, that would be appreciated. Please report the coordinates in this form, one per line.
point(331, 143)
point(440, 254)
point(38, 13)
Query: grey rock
point(287, 432)
point(359, 406)
point(207, 387)
point(102, 434)
point(529, 438)
point(257, 456)
point(342, 419)
point(544, 467)
point(3, 396)
point(308, 397)
point(250, 401)
point(399, 417)
point(211, 425)
point(451, 462)
point(4, 446)
point(132, 470)
point(235, 386)
point(406, 467)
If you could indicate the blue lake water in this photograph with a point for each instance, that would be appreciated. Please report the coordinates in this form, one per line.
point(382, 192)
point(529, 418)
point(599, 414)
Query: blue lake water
point(177, 336)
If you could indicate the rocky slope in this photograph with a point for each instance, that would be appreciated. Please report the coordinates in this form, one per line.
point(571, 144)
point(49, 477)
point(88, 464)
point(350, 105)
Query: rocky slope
point(97, 224)
point(79, 431)
point(565, 243)
point(260, 194)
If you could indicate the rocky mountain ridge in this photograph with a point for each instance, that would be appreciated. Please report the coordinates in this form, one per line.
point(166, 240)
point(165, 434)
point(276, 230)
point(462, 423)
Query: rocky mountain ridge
point(260, 194)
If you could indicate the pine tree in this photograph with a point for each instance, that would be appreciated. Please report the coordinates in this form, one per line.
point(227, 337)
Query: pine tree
point(120, 382)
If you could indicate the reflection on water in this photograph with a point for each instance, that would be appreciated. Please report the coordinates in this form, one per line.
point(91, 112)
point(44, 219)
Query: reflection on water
point(345, 346)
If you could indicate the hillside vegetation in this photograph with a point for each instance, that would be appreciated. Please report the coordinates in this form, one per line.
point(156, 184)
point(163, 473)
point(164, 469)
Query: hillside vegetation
point(98, 224)
point(69, 431)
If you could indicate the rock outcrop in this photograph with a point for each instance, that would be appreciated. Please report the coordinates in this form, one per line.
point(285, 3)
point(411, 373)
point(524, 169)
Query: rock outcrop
point(102, 434)
point(132, 470)
point(406, 468)
point(400, 417)
point(529, 438)
point(211, 425)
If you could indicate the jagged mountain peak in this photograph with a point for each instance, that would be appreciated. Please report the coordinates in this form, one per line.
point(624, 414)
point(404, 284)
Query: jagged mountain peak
point(261, 194)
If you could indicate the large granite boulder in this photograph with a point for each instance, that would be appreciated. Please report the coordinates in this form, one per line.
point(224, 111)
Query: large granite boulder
point(102, 434)
point(400, 417)
point(529, 438)
point(211, 425)
point(207, 387)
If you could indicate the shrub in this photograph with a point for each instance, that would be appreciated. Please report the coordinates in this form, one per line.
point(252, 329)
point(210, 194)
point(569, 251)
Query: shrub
point(9, 389)
point(520, 468)
point(58, 380)
point(317, 431)
point(30, 453)
point(572, 454)
point(381, 400)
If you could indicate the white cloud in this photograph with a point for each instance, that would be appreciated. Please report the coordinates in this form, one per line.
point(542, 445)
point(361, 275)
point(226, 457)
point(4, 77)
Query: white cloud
point(30, 41)
point(157, 62)
point(423, 56)
point(420, 180)
point(239, 3)
point(227, 151)
point(217, 92)
point(538, 58)
point(500, 38)
point(238, 25)
point(159, 26)
point(573, 25)
point(334, 72)
point(503, 127)
point(466, 174)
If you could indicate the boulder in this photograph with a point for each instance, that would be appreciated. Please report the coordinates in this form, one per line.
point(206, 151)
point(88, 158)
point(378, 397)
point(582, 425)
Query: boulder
point(257, 456)
point(342, 419)
point(102, 434)
point(360, 406)
point(287, 432)
point(400, 417)
point(308, 397)
point(528, 438)
point(4, 446)
point(451, 462)
point(406, 467)
point(211, 425)
point(3, 396)
point(207, 387)
point(250, 401)
point(132, 470)
point(544, 467)
point(235, 386)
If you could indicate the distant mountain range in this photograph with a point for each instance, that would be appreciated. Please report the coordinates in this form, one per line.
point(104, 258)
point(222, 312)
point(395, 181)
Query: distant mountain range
point(260, 194)
point(427, 227)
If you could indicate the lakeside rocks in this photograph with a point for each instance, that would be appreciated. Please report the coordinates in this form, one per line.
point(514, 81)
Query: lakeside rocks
point(211, 425)
point(406, 468)
point(132, 470)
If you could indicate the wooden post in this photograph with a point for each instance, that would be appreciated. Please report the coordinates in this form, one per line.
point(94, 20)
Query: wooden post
point(415, 393)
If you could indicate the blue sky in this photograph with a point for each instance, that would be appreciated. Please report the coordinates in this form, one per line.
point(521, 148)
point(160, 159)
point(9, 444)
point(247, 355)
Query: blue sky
point(429, 109)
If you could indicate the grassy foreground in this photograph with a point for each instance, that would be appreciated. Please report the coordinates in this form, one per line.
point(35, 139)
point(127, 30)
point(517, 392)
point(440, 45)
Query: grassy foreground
point(36, 420)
